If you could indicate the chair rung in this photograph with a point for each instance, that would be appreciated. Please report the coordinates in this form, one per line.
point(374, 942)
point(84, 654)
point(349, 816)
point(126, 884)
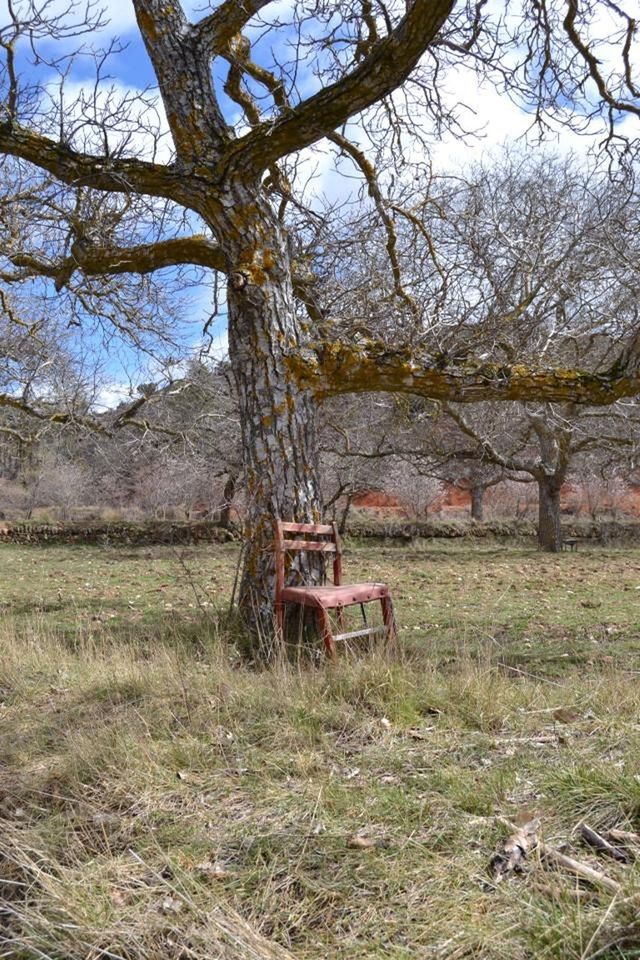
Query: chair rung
point(314, 545)
point(324, 528)
point(369, 632)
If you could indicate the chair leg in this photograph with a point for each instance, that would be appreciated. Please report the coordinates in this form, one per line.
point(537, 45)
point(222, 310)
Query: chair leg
point(389, 620)
point(324, 625)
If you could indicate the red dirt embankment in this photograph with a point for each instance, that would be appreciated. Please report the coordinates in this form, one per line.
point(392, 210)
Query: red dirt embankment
point(575, 501)
point(378, 500)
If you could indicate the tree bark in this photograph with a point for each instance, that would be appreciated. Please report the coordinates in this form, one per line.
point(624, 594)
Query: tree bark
point(549, 531)
point(477, 503)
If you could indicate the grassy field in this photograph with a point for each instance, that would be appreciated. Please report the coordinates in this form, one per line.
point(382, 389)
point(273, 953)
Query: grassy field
point(159, 798)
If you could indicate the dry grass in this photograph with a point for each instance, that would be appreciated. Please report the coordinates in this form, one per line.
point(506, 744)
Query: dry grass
point(159, 800)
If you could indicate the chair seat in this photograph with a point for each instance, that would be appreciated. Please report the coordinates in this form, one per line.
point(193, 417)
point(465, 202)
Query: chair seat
point(332, 596)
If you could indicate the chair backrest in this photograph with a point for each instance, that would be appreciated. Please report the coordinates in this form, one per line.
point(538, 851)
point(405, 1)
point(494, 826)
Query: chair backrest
point(287, 540)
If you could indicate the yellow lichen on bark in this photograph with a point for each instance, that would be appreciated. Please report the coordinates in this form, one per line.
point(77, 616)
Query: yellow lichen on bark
point(337, 368)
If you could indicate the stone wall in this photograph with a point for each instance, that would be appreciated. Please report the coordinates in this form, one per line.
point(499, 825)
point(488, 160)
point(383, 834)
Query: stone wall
point(149, 532)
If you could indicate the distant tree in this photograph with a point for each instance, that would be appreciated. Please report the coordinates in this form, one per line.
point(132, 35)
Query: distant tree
point(543, 442)
point(354, 444)
point(601, 495)
point(418, 493)
point(63, 484)
point(517, 499)
point(13, 498)
point(474, 478)
point(182, 451)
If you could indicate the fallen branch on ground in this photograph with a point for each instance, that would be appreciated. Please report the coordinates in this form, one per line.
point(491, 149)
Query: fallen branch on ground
point(624, 836)
point(534, 738)
point(513, 852)
point(599, 843)
point(581, 870)
point(524, 840)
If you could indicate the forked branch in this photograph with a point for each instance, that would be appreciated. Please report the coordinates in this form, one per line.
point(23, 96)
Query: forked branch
point(369, 172)
point(213, 33)
point(386, 66)
point(593, 64)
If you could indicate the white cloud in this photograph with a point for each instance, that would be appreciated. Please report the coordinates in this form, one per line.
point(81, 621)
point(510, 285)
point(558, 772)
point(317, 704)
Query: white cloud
point(110, 395)
point(120, 14)
point(492, 120)
point(123, 19)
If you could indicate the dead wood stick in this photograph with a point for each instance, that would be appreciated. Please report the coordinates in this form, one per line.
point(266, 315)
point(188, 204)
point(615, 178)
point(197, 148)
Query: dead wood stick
point(624, 836)
point(512, 852)
point(595, 840)
point(534, 738)
point(581, 870)
point(524, 673)
point(544, 710)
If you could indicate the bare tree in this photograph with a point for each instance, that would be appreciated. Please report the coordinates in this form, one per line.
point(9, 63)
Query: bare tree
point(418, 492)
point(542, 441)
point(232, 163)
point(515, 499)
point(183, 452)
point(600, 493)
point(355, 450)
point(63, 484)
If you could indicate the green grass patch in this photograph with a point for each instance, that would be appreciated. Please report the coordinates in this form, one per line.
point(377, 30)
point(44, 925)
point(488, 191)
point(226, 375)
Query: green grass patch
point(159, 799)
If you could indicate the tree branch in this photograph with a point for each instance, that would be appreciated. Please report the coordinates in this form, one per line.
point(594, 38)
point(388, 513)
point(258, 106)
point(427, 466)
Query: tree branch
point(597, 443)
point(370, 175)
point(47, 414)
point(388, 65)
point(76, 169)
point(592, 61)
point(339, 368)
point(50, 415)
point(185, 80)
point(17, 436)
point(214, 32)
point(508, 463)
point(145, 258)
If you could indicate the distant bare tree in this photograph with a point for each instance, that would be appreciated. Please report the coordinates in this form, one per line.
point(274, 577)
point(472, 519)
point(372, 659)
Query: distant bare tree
point(542, 441)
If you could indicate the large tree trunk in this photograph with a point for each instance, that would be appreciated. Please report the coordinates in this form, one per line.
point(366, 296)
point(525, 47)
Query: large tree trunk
point(549, 531)
point(278, 418)
point(477, 502)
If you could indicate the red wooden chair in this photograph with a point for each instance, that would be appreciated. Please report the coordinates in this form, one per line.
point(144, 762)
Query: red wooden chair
point(331, 597)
